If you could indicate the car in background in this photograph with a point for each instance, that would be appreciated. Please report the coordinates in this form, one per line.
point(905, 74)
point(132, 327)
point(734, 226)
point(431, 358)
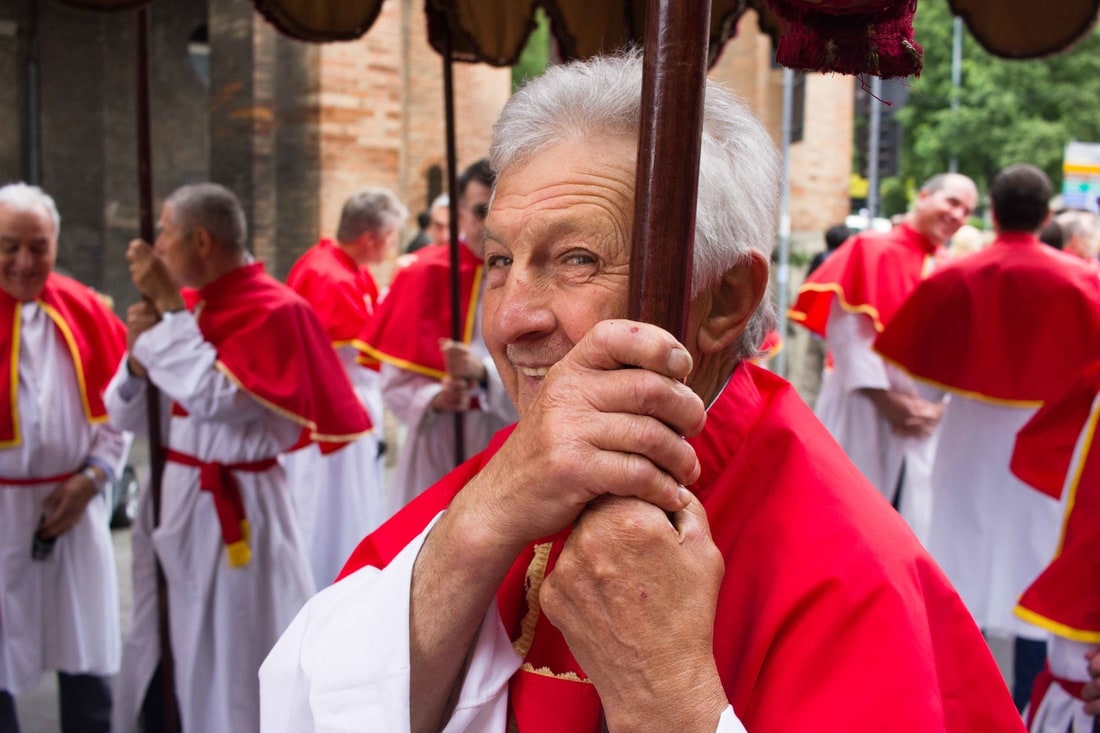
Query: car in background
point(124, 496)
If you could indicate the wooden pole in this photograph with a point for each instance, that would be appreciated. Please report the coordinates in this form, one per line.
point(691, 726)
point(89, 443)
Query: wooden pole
point(673, 84)
point(452, 193)
point(156, 446)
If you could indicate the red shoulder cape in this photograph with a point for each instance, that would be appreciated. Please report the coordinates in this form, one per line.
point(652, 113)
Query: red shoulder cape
point(817, 567)
point(1062, 437)
point(271, 344)
point(1012, 324)
point(342, 294)
point(416, 311)
point(872, 273)
point(96, 339)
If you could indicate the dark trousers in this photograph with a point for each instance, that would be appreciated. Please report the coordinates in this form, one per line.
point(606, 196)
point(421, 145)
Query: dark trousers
point(8, 722)
point(84, 701)
point(153, 716)
point(1028, 659)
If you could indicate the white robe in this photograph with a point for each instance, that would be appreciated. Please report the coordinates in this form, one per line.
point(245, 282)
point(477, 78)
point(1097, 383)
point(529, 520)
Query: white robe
point(343, 664)
point(223, 620)
point(862, 432)
point(339, 497)
point(991, 533)
point(428, 450)
point(60, 613)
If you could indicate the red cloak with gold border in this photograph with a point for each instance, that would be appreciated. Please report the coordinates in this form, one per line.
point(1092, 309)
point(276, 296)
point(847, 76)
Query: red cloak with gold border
point(872, 273)
point(270, 343)
point(416, 311)
point(1010, 325)
point(1057, 452)
point(342, 293)
point(94, 335)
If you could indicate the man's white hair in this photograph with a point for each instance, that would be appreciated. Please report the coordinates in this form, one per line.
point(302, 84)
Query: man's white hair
point(739, 182)
point(22, 197)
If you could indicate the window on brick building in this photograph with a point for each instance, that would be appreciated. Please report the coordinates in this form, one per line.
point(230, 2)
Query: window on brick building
point(435, 184)
point(198, 53)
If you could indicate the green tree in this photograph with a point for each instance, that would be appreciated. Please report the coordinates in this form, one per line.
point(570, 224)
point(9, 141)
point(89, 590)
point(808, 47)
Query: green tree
point(535, 56)
point(1009, 111)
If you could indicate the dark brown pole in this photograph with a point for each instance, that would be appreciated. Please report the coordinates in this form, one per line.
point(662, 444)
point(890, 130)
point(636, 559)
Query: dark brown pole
point(156, 446)
point(452, 193)
point(674, 78)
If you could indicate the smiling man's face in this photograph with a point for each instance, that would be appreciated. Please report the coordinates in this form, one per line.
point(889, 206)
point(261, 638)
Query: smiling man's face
point(28, 250)
point(557, 256)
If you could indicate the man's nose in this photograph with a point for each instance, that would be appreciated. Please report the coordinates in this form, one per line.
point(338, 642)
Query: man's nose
point(523, 309)
point(24, 258)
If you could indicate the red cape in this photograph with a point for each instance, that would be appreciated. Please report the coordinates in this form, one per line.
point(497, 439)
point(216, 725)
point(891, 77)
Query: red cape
point(416, 312)
point(271, 344)
point(1064, 599)
point(818, 567)
point(1012, 324)
point(343, 295)
point(96, 339)
point(872, 273)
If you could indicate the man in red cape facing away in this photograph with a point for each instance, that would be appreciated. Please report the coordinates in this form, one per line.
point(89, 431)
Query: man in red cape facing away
point(1000, 331)
point(428, 378)
point(246, 372)
point(339, 497)
point(565, 579)
point(1057, 453)
point(59, 346)
point(874, 410)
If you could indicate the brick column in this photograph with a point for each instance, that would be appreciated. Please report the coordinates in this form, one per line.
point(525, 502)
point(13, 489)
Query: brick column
point(241, 121)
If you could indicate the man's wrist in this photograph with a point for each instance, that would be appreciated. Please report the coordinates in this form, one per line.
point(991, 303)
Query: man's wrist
point(97, 476)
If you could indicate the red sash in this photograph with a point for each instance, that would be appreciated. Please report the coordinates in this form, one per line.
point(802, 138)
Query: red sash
point(218, 479)
point(416, 311)
point(95, 337)
point(271, 344)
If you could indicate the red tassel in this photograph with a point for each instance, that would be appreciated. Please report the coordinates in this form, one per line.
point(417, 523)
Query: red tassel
point(876, 41)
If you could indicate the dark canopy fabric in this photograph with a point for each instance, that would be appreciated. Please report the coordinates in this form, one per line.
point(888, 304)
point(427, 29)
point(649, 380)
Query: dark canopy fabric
point(493, 31)
point(1025, 29)
point(847, 36)
point(106, 5)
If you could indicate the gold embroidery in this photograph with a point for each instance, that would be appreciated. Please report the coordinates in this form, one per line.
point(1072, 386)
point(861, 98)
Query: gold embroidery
point(547, 672)
point(536, 571)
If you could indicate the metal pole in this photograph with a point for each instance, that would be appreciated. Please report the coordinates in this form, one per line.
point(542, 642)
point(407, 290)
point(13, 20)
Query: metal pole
point(956, 79)
point(782, 271)
point(873, 143)
point(452, 192)
point(169, 709)
point(33, 151)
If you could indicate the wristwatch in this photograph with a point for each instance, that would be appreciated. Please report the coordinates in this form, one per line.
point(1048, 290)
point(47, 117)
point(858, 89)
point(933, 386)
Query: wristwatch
point(93, 474)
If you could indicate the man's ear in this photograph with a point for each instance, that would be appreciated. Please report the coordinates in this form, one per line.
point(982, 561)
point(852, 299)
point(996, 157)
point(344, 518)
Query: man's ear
point(731, 302)
point(204, 243)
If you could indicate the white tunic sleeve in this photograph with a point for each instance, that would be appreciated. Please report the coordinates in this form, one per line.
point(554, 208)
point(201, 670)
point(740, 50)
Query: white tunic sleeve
point(729, 722)
point(408, 394)
point(850, 337)
point(184, 366)
point(343, 663)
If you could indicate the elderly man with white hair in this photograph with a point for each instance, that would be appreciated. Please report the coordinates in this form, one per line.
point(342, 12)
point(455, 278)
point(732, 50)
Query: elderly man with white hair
point(59, 346)
point(593, 569)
